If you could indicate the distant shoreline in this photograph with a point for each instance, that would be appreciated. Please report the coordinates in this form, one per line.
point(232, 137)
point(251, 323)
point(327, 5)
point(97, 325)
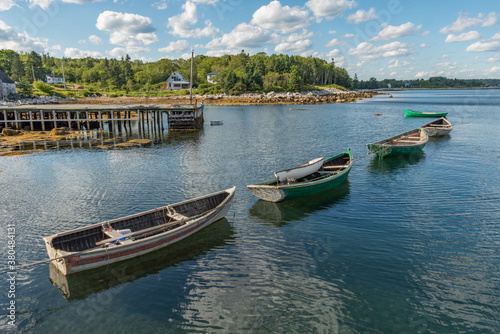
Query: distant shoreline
point(313, 97)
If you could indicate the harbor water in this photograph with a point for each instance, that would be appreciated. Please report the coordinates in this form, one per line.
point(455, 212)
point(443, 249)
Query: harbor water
point(407, 244)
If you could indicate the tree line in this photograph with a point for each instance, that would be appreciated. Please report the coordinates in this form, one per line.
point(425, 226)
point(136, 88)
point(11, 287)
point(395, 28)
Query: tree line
point(432, 82)
point(237, 74)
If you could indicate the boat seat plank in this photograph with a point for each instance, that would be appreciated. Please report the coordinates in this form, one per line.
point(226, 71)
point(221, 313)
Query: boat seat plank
point(112, 233)
point(407, 141)
point(334, 167)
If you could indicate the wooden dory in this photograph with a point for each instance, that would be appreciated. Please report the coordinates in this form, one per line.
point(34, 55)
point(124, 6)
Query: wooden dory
point(300, 171)
point(438, 127)
point(127, 237)
point(405, 143)
point(414, 113)
point(330, 174)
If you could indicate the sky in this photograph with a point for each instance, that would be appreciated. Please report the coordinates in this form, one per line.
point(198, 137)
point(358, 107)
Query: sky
point(389, 39)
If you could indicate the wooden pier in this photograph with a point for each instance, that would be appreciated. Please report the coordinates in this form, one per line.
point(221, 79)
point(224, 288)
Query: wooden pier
point(75, 116)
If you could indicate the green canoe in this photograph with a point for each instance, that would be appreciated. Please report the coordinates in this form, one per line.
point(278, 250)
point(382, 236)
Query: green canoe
point(406, 143)
point(333, 171)
point(413, 113)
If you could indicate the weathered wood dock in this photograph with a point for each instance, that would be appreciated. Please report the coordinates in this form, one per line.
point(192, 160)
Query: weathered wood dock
point(78, 116)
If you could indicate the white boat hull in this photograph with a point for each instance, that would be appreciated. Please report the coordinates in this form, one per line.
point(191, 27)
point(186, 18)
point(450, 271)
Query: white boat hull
point(300, 171)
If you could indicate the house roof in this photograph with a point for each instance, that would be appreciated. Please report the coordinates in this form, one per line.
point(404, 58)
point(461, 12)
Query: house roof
point(54, 76)
point(5, 78)
point(213, 73)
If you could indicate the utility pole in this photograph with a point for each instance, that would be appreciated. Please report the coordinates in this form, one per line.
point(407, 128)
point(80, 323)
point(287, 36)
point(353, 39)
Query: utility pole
point(33, 70)
point(191, 80)
point(64, 77)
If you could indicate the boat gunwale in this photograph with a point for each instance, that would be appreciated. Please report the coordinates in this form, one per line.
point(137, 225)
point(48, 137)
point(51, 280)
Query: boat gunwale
point(384, 142)
point(188, 223)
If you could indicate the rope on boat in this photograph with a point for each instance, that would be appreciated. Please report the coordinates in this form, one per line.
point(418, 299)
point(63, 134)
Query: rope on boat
point(24, 266)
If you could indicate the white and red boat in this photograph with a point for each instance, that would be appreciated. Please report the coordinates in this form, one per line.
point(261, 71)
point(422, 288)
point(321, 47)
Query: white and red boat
point(123, 238)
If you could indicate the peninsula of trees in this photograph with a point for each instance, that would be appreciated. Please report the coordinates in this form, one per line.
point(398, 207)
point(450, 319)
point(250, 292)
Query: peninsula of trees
point(237, 74)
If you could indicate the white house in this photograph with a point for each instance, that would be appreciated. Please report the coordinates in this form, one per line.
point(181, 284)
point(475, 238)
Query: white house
point(211, 75)
point(54, 79)
point(176, 81)
point(7, 86)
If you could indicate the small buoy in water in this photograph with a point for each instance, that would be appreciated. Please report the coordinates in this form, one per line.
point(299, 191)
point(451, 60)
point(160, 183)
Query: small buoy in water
point(378, 114)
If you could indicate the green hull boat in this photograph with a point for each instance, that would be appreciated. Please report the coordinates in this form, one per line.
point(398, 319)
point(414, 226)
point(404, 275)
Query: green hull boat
point(413, 113)
point(332, 172)
point(406, 143)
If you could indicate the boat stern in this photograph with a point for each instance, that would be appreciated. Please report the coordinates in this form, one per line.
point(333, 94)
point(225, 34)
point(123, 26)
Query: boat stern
point(267, 193)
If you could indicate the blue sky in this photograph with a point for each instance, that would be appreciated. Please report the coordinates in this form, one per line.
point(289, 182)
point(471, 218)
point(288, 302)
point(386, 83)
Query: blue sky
point(383, 39)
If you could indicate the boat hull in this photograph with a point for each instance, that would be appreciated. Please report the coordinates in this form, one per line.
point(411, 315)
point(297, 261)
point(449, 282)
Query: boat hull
point(388, 147)
point(414, 113)
point(438, 127)
point(272, 193)
point(72, 262)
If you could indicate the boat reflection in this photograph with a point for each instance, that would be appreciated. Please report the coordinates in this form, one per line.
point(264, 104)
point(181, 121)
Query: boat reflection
point(282, 213)
point(83, 284)
point(391, 163)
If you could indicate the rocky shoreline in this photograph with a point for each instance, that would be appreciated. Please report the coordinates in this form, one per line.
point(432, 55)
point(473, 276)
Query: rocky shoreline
point(328, 95)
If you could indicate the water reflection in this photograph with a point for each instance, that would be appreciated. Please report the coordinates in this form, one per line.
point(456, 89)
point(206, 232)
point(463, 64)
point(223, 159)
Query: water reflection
point(83, 284)
point(282, 213)
point(392, 163)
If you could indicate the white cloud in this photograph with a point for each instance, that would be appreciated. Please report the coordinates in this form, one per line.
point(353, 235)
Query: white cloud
point(333, 42)
point(492, 44)
point(349, 36)
point(426, 33)
point(76, 53)
point(11, 39)
point(423, 45)
point(125, 23)
point(465, 37)
point(362, 16)
point(45, 4)
point(366, 51)
point(494, 69)
point(122, 52)
point(295, 43)
point(391, 32)
point(132, 31)
point(329, 9)
point(394, 63)
point(160, 5)
point(298, 46)
point(450, 65)
point(95, 39)
point(464, 22)
point(181, 24)
point(244, 35)
point(494, 59)
point(281, 18)
point(178, 46)
point(6, 5)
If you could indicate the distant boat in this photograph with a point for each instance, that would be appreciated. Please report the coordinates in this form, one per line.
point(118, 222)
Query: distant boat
point(406, 143)
point(413, 113)
point(216, 122)
point(438, 127)
point(123, 238)
point(300, 171)
point(330, 174)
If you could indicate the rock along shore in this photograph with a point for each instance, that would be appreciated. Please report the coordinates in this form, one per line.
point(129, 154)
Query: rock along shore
point(311, 97)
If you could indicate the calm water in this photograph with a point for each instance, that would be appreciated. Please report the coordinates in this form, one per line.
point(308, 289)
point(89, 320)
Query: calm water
point(406, 245)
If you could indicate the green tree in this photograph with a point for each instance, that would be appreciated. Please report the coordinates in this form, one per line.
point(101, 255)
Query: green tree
point(295, 83)
point(24, 88)
point(229, 82)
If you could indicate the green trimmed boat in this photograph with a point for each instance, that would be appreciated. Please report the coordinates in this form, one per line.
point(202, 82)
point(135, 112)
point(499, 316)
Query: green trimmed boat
point(331, 173)
point(413, 113)
point(406, 143)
